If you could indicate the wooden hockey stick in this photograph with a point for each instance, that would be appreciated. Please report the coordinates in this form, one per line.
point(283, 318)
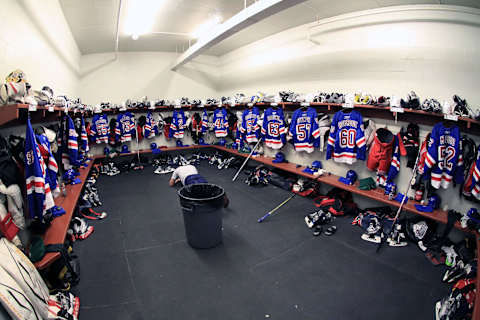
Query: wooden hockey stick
point(412, 180)
point(277, 207)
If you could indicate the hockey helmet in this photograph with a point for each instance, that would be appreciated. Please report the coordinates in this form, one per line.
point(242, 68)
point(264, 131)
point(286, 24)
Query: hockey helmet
point(201, 141)
point(427, 105)
point(384, 101)
point(179, 143)
point(391, 188)
point(434, 201)
point(124, 149)
point(473, 215)
point(16, 76)
point(436, 106)
point(413, 100)
point(352, 176)
point(234, 146)
point(279, 158)
point(106, 151)
point(153, 146)
point(222, 142)
point(70, 177)
point(317, 164)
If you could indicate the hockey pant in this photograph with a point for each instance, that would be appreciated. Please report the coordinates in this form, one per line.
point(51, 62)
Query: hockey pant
point(380, 156)
point(195, 179)
point(14, 203)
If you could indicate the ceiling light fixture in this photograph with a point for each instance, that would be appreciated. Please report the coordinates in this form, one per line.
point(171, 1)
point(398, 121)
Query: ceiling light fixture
point(206, 27)
point(140, 16)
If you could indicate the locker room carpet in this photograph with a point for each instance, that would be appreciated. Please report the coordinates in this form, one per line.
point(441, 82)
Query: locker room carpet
point(137, 264)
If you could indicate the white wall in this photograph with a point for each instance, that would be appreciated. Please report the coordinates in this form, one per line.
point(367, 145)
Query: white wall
point(137, 74)
point(433, 51)
point(35, 38)
point(388, 51)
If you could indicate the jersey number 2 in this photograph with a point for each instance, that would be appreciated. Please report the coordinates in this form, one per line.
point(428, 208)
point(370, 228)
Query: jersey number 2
point(445, 156)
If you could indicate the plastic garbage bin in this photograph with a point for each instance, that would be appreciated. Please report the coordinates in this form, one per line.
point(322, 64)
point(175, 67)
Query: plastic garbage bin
point(202, 207)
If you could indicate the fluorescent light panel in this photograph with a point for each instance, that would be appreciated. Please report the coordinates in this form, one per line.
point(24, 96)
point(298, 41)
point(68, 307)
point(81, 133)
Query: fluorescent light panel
point(140, 16)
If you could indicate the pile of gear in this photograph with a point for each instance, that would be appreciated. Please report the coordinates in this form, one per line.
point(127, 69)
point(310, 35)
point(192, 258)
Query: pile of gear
point(377, 224)
point(108, 168)
point(462, 273)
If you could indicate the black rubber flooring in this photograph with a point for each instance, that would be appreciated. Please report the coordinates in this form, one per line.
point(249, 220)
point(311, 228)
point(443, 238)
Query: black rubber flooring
point(137, 264)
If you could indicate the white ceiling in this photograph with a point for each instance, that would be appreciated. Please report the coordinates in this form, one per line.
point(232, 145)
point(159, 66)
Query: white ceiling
point(93, 22)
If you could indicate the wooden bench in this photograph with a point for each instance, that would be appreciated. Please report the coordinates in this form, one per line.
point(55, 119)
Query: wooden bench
point(57, 231)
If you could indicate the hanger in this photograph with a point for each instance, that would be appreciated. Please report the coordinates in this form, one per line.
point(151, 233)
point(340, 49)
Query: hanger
point(448, 123)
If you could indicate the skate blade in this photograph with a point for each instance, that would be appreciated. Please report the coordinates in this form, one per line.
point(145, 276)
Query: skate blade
point(374, 239)
point(392, 243)
point(308, 222)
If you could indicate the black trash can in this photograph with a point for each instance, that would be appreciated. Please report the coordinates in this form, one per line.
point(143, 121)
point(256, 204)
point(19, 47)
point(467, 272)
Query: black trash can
point(202, 207)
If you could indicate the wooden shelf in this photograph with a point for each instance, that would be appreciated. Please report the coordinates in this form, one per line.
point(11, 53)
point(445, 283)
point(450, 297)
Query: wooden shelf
point(16, 114)
point(57, 231)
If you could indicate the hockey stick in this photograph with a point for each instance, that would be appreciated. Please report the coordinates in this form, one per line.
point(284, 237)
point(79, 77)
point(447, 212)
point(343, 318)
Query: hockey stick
point(412, 180)
point(277, 207)
point(138, 148)
point(245, 162)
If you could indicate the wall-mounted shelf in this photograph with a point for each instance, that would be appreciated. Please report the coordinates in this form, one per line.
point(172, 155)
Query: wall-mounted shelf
point(15, 114)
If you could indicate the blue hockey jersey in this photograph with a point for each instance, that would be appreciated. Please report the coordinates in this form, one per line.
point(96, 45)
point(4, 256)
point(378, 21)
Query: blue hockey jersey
point(205, 121)
point(125, 127)
point(472, 184)
point(50, 163)
point(304, 130)
point(273, 128)
point(249, 128)
point(179, 122)
point(444, 160)
point(220, 122)
point(39, 195)
point(84, 147)
point(69, 144)
point(99, 128)
point(346, 141)
point(151, 127)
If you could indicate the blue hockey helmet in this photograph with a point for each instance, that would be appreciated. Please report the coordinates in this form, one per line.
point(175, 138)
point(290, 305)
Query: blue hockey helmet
point(352, 176)
point(179, 143)
point(434, 201)
point(391, 188)
point(106, 151)
point(124, 149)
point(153, 146)
point(317, 164)
point(279, 158)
